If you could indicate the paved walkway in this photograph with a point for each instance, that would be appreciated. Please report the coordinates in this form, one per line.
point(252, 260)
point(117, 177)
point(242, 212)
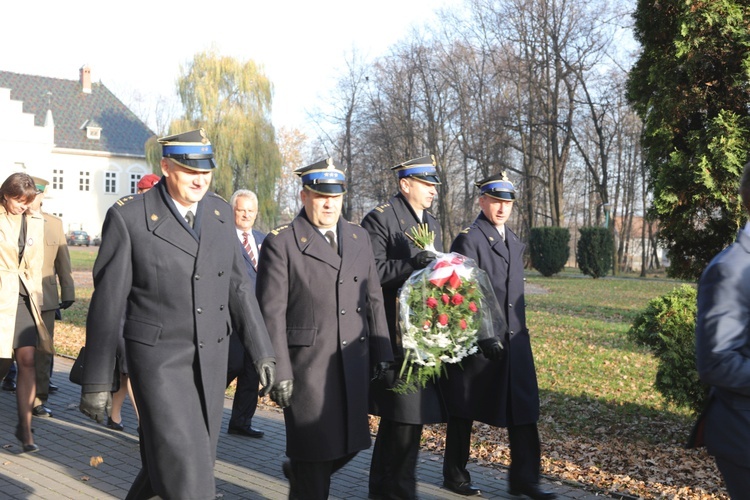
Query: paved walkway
point(245, 468)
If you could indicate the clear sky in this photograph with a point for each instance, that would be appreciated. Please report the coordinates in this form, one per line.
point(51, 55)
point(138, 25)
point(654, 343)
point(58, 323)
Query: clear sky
point(137, 46)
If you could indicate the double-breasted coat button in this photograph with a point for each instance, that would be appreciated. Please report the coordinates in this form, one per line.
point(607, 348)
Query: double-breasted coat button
point(343, 343)
point(359, 309)
point(341, 282)
point(356, 279)
point(200, 344)
point(197, 277)
point(221, 307)
point(343, 311)
point(362, 339)
point(221, 273)
point(510, 305)
point(199, 310)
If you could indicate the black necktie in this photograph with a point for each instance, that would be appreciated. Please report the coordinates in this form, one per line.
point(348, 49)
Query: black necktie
point(331, 237)
point(190, 218)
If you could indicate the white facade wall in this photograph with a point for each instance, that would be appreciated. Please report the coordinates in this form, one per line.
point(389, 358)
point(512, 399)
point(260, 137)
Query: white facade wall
point(79, 180)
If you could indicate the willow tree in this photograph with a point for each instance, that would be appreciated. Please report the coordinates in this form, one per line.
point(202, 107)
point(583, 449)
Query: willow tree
point(232, 100)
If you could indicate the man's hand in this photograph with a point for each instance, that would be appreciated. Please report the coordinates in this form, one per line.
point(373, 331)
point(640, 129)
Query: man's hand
point(492, 348)
point(380, 371)
point(96, 405)
point(66, 304)
point(422, 259)
point(266, 369)
point(281, 393)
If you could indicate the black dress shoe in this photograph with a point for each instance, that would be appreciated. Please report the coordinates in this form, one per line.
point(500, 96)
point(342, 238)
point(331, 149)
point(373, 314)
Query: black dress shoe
point(465, 488)
point(53, 387)
point(41, 411)
point(247, 431)
point(9, 385)
point(532, 491)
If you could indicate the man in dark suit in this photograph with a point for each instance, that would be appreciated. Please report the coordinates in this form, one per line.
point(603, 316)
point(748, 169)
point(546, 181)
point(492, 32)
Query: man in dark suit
point(394, 457)
point(56, 267)
point(722, 332)
point(171, 266)
point(320, 296)
point(499, 386)
point(245, 206)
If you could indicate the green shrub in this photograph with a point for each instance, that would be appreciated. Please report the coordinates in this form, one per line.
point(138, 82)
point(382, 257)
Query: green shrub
point(549, 250)
point(667, 327)
point(595, 251)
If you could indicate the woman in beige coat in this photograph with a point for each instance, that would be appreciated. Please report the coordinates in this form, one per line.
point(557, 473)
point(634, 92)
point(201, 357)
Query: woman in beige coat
point(22, 330)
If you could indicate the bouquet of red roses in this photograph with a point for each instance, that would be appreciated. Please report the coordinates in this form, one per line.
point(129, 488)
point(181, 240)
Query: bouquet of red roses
point(444, 310)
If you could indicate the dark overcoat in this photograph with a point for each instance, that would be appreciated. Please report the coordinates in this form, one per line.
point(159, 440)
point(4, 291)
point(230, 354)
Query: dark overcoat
point(324, 313)
point(505, 392)
point(722, 334)
point(182, 292)
point(387, 225)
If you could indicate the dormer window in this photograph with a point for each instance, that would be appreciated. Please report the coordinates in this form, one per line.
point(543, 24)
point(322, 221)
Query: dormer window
point(93, 130)
point(93, 133)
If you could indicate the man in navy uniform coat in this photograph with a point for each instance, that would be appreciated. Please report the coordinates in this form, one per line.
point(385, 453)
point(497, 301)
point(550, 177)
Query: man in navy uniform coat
point(171, 266)
point(320, 296)
point(499, 386)
point(394, 457)
point(245, 206)
point(722, 331)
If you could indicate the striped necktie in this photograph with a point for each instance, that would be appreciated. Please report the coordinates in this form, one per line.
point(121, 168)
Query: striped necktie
point(249, 249)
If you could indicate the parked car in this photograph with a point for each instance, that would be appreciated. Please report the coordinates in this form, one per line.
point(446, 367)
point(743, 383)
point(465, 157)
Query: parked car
point(97, 240)
point(78, 238)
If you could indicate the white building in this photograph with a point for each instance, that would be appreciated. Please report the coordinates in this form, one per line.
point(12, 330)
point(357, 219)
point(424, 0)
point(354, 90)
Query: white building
point(77, 135)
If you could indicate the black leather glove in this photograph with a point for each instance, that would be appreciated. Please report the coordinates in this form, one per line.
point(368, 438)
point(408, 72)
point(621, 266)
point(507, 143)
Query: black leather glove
point(66, 304)
point(380, 371)
point(281, 393)
point(422, 259)
point(492, 348)
point(96, 405)
point(266, 369)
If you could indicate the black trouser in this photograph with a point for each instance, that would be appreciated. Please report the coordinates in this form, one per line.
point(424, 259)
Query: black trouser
point(736, 477)
point(525, 453)
point(393, 471)
point(240, 366)
point(312, 480)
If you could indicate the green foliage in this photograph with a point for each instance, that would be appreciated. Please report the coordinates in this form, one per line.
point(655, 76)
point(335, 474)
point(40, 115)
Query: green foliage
point(690, 87)
point(595, 251)
point(667, 328)
point(231, 100)
point(549, 249)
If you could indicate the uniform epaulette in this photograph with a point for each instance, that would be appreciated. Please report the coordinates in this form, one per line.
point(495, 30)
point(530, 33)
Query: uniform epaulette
point(381, 208)
point(354, 223)
point(279, 229)
point(211, 193)
point(465, 230)
point(124, 200)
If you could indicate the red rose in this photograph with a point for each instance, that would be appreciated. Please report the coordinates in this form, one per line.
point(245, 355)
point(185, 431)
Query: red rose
point(463, 324)
point(457, 299)
point(445, 299)
point(443, 319)
point(432, 302)
point(473, 307)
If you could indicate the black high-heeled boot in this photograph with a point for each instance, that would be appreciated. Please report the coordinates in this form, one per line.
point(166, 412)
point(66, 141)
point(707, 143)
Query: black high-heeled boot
point(27, 448)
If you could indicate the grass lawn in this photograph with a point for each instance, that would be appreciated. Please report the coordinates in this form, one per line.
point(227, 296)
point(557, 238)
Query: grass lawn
point(602, 423)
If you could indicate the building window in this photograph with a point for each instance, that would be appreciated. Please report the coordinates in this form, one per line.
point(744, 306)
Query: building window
point(57, 179)
point(134, 178)
point(83, 181)
point(110, 182)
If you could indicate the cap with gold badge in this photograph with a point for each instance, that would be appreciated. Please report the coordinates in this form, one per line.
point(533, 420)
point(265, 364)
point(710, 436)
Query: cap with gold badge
point(323, 177)
point(191, 150)
point(423, 169)
point(498, 186)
